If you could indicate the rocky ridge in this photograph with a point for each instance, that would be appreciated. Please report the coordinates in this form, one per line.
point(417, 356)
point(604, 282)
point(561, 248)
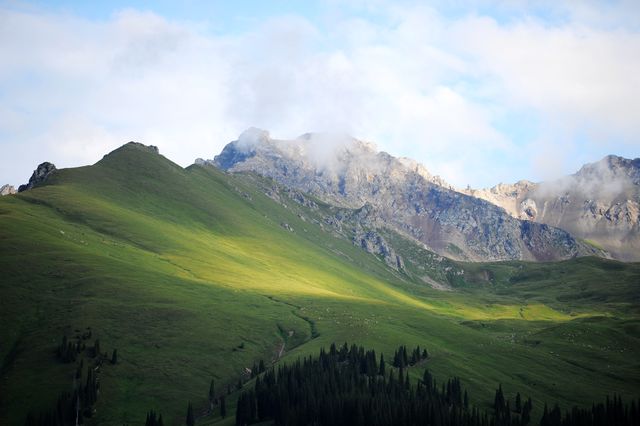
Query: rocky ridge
point(7, 190)
point(400, 194)
point(40, 174)
point(599, 203)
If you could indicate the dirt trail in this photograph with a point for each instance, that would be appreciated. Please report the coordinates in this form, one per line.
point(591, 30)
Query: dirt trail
point(281, 351)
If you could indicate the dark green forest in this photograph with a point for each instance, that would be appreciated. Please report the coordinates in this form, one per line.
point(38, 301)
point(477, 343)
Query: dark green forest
point(350, 386)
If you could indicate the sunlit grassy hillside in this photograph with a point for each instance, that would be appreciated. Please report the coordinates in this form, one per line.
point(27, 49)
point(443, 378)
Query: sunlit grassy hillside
point(194, 274)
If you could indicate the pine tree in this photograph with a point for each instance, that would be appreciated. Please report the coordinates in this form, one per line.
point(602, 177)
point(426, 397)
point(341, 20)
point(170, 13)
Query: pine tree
point(544, 421)
point(79, 369)
point(114, 357)
point(526, 412)
point(381, 371)
point(212, 393)
point(498, 401)
point(223, 407)
point(191, 421)
point(518, 403)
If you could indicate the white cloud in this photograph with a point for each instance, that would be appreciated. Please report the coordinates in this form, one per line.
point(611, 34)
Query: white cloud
point(415, 81)
point(585, 77)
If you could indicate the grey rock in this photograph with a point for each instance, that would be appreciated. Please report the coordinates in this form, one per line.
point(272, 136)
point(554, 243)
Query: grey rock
point(7, 190)
point(287, 227)
point(372, 242)
point(39, 176)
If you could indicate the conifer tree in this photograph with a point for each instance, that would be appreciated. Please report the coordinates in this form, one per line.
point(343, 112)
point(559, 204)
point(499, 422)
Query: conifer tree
point(223, 407)
point(212, 393)
point(114, 357)
point(526, 412)
point(191, 421)
point(498, 401)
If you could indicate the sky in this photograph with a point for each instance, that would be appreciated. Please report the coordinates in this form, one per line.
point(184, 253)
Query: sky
point(480, 92)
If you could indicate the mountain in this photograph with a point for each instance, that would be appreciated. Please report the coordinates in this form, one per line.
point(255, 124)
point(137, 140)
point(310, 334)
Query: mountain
point(399, 194)
point(600, 203)
point(195, 274)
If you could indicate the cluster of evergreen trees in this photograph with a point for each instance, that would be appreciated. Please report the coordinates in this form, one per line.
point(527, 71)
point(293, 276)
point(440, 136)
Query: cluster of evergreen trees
point(68, 351)
point(506, 415)
point(348, 386)
point(258, 368)
point(71, 407)
point(344, 387)
point(401, 358)
point(153, 419)
point(613, 412)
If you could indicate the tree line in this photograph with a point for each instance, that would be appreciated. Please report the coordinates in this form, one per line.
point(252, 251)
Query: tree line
point(349, 386)
point(73, 407)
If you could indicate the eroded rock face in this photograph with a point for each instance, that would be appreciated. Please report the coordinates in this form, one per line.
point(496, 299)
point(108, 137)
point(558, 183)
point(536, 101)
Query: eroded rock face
point(372, 242)
point(7, 190)
point(599, 203)
point(400, 193)
point(40, 174)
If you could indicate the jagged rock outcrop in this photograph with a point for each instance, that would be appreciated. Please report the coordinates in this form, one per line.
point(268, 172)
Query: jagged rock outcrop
point(7, 190)
point(40, 174)
point(599, 203)
point(400, 193)
point(372, 242)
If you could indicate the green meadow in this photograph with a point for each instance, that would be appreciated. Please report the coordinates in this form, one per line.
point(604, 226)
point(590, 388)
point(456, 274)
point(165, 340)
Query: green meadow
point(192, 276)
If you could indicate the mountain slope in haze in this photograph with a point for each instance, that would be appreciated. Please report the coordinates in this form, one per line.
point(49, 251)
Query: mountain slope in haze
point(401, 194)
point(599, 203)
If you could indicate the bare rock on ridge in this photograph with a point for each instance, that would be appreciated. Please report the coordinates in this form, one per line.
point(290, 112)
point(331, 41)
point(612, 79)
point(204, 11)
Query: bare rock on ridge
point(7, 190)
point(39, 175)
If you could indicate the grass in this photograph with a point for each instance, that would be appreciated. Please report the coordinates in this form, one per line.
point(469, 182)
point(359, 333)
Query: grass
point(191, 275)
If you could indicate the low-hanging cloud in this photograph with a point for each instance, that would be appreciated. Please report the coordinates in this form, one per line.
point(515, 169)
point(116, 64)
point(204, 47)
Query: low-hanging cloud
point(418, 82)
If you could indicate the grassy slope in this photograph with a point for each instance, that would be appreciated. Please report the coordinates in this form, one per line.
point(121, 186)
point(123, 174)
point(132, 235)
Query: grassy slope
point(176, 268)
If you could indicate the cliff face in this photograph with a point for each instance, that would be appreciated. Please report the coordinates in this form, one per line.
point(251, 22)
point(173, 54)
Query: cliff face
point(599, 203)
point(401, 194)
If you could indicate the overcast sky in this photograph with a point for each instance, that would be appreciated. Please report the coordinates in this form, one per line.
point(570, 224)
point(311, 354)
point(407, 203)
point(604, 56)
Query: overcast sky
point(494, 92)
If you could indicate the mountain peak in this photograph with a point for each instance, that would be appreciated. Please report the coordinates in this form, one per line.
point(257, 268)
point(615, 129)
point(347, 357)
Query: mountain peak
point(337, 156)
point(40, 174)
point(611, 167)
point(137, 145)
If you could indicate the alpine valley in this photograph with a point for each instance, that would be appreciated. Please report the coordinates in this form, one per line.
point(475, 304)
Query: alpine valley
point(226, 291)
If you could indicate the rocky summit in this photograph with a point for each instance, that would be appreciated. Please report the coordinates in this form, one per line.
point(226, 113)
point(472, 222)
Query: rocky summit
point(600, 203)
point(40, 174)
point(7, 190)
point(400, 194)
